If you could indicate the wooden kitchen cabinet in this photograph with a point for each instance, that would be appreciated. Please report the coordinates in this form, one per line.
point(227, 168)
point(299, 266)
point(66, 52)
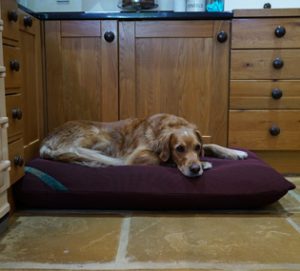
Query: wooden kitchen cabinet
point(265, 86)
point(81, 71)
point(176, 67)
point(32, 86)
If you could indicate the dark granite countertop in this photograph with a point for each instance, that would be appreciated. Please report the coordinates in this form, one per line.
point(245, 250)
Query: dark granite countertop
point(142, 15)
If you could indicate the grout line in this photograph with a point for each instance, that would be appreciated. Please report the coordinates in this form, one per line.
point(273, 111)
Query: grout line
point(293, 224)
point(151, 266)
point(123, 242)
point(295, 195)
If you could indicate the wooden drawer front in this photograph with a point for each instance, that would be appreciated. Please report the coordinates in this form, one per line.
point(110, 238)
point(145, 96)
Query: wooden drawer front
point(252, 129)
point(12, 62)
point(16, 157)
point(14, 112)
point(260, 33)
point(265, 94)
point(10, 19)
point(254, 64)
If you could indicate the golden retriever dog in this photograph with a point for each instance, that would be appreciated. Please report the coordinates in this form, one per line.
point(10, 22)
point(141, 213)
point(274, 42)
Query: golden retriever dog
point(158, 139)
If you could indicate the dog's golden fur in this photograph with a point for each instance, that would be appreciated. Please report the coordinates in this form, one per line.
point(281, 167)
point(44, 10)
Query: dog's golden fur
point(150, 141)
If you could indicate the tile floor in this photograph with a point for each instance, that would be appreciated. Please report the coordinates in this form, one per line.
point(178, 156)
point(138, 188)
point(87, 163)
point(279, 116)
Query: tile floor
point(261, 240)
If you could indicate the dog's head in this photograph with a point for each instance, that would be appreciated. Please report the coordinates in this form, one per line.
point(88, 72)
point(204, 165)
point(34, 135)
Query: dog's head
point(184, 147)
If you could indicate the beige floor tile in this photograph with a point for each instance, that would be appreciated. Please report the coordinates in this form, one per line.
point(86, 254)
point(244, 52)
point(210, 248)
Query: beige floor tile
point(215, 238)
point(53, 239)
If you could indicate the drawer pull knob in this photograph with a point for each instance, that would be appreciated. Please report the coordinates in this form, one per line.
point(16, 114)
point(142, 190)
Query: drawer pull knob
point(28, 21)
point(274, 130)
point(14, 65)
point(267, 6)
point(276, 93)
point(222, 36)
point(12, 16)
point(18, 160)
point(280, 31)
point(109, 36)
point(278, 63)
point(17, 113)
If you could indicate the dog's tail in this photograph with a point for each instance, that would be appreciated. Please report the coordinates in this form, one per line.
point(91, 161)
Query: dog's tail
point(78, 155)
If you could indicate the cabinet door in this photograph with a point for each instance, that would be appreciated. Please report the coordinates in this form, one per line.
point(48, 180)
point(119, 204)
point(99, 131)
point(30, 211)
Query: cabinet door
point(30, 43)
point(176, 67)
point(81, 71)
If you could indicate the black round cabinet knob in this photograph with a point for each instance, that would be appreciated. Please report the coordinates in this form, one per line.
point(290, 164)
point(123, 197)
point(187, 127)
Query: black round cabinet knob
point(274, 130)
point(279, 31)
point(222, 36)
point(12, 16)
point(109, 36)
point(18, 160)
point(14, 65)
point(27, 21)
point(17, 113)
point(267, 5)
point(278, 63)
point(276, 93)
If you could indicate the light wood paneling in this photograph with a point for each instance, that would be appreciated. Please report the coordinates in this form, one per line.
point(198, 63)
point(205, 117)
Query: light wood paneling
point(13, 79)
point(254, 94)
point(250, 129)
point(258, 64)
point(80, 29)
point(175, 75)
point(82, 75)
point(30, 43)
point(16, 126)
point(260, 33)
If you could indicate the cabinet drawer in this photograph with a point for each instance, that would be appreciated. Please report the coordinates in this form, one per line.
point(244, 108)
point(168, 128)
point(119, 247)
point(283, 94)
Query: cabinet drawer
point(266, 33)
point(16, 157)
point(14, 109)
point(12, 62)
point(265, 64)
point(265, 94)
point(10, 19)
point(265, 129)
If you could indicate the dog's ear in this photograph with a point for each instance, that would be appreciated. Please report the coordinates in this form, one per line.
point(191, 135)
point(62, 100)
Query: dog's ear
point(165, 150)
point(199, 136)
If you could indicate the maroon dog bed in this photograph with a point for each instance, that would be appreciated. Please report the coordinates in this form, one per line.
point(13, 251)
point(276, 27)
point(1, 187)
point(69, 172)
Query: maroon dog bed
point(249, 183)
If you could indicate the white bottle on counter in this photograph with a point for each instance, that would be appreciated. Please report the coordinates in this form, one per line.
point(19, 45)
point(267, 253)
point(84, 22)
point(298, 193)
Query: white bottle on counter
point(195, 5)
point(179, 5)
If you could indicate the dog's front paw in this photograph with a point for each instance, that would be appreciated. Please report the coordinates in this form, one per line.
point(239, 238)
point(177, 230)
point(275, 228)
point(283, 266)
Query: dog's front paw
point(206, 165)
point(241, 155)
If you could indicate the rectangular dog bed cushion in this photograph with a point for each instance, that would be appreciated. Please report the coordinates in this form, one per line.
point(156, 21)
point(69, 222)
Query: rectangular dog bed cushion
point(249, 183)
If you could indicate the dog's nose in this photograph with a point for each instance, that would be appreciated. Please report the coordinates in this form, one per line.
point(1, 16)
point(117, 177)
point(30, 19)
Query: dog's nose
point(195, 168)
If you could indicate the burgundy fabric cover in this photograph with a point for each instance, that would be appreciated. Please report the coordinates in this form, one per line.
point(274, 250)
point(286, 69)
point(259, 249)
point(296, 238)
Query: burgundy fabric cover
point(229, 184)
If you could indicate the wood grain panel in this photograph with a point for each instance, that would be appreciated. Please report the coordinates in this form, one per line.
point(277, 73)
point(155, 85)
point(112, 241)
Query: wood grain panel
point(286, 162)
point(259, 33)
point(11, 29)
point(250, 129)
point(80, 29)
point(13, 78)
point(30, 43)
point(15, 127)
point(16, 150)
point(82, 76)
point(258, 64)
point(175, 75)
point(254, 94)
point(191, 29)
point(274, 12)
point(127, 67)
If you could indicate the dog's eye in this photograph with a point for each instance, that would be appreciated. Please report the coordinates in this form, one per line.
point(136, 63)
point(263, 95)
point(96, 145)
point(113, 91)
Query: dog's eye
point(180, 148)
point(197, 147)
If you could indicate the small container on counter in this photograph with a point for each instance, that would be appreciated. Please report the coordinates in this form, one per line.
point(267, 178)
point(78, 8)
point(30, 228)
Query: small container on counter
point(195, 5)
point(215, 5)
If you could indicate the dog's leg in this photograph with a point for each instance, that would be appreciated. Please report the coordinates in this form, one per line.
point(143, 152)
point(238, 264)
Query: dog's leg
point(81, 156)
point(142, 156)
point(218, 151)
